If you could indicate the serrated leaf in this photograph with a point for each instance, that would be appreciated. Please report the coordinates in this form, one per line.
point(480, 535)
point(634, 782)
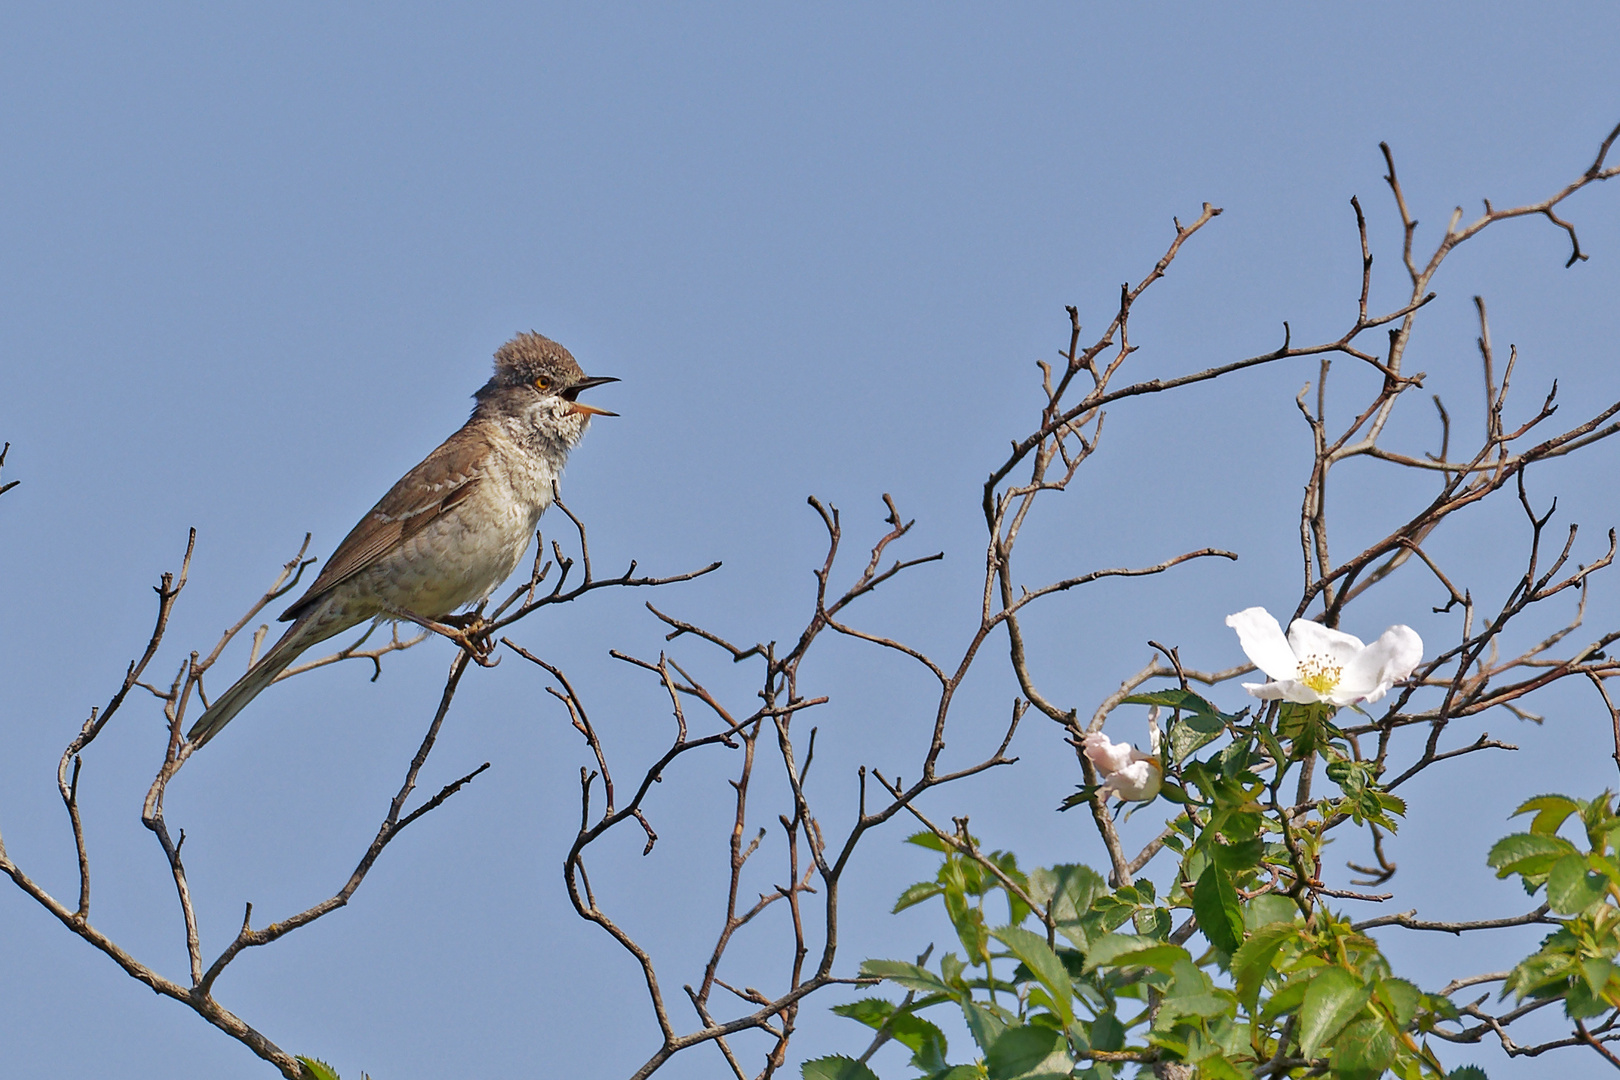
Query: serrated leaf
point(1068, 889)
point(1362, 1051)
point(1527, 854)
point(1220, 913)
point(316, 1069)
point(1332, 1000)
point(1572, 887)
point(1032, 949)
point(1107, 1033)
point(1401, 998)
point(1269, 908)
point(970, 926)
point(1185, 700)
point(1218, 1068)
point(916, 894)
point(869, 1011)
point(1019, 1050)
point(1185, 741)
point(1129, 950)
point(907, 975)
point(1467, 1072)
point(1241, 856)
point(983, 1024)
point(836, 1067)
point(908, 1029)
point(1252, 962)
point(1288, 997)
point(1551, 811)
point(1191, 993)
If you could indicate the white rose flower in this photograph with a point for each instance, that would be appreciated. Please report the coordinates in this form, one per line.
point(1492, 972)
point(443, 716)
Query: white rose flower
point(1125, 770)
point(1314, 663)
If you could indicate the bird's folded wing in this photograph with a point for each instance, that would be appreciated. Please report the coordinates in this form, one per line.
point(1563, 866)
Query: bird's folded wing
point(448, 475)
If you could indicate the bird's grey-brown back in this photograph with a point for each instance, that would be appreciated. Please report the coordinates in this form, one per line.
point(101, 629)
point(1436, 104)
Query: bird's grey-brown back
point(470, 502)
point(455, 526)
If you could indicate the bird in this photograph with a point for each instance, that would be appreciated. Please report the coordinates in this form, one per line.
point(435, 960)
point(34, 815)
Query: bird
point(452, 528)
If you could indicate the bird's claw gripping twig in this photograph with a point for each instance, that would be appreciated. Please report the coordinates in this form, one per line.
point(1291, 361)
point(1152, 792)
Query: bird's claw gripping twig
point(469, 631)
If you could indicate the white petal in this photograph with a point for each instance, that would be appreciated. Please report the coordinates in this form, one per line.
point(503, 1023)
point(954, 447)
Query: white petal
point(1309, 638)
point(1137, 782)
point(1271, 691)
point(1300, 694)
point(1108, 756)
point(1284, 690)
point(1382, 664)
point(1262, 639)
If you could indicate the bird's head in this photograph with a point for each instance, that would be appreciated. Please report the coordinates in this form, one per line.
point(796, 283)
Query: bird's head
point(538, 382)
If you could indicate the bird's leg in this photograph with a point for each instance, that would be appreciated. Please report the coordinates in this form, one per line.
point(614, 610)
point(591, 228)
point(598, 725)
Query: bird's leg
point(466, 630)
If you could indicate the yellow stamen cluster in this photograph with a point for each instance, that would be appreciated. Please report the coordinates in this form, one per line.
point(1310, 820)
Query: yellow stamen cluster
point(1320, 673)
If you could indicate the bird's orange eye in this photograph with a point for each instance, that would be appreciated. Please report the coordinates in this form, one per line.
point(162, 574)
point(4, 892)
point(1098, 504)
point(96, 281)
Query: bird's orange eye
point(542, 383)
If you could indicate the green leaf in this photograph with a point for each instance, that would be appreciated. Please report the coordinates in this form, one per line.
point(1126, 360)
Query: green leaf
point(1185, 700)
point(1572, 887)
point(1288, 997)
point(927, 840)
point(1550, 810)
point(1218, 1068)
point(916, 894)
point(1220, 914)
point(1236, 858)
point(1019, 1050)
point(1032, 949)
point(921, 1037)
point(1269, 908)
point(1467, 1072)
point(316, 1069)
point(1252, 962)
point(1081, 797)
point(1401, 998)
point(907, 975)
point(983, 1024)
point(1069, 889)
point(1332, 1000)
point(1107, 1033)
point(1192, 993)
point(970, 927)
point(1529, 855)
point(1128, 950)
point(1186, 740)
point(837, 1067)
point(1597, 974)
point(870, 1011)
point(1363, 1051)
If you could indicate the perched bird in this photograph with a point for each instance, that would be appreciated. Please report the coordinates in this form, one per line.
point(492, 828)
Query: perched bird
point(454, 527)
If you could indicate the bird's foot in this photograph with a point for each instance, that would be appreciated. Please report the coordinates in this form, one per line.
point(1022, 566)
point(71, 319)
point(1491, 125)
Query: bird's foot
point(473, 635)
point(468, 630)
point(476, 642)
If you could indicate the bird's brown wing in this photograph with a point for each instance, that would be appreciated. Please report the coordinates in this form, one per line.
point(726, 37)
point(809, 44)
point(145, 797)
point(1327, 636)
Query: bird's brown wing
point(446, 477)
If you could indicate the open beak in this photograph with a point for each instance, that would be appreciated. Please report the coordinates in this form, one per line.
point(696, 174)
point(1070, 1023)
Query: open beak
point(585, 384)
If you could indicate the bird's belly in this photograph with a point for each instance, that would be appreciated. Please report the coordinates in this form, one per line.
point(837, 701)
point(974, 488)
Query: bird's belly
point(450, 564)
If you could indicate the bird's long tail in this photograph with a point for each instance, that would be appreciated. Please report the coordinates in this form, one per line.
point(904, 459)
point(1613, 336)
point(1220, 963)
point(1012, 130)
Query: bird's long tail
point(225, 707)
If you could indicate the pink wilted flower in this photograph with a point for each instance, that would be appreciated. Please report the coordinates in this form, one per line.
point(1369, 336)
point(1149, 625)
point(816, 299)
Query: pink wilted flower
point(1125, 770)
point(1314, 663)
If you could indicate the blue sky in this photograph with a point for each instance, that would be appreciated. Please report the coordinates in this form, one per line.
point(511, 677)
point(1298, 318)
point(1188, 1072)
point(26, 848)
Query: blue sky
point(254, 262)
